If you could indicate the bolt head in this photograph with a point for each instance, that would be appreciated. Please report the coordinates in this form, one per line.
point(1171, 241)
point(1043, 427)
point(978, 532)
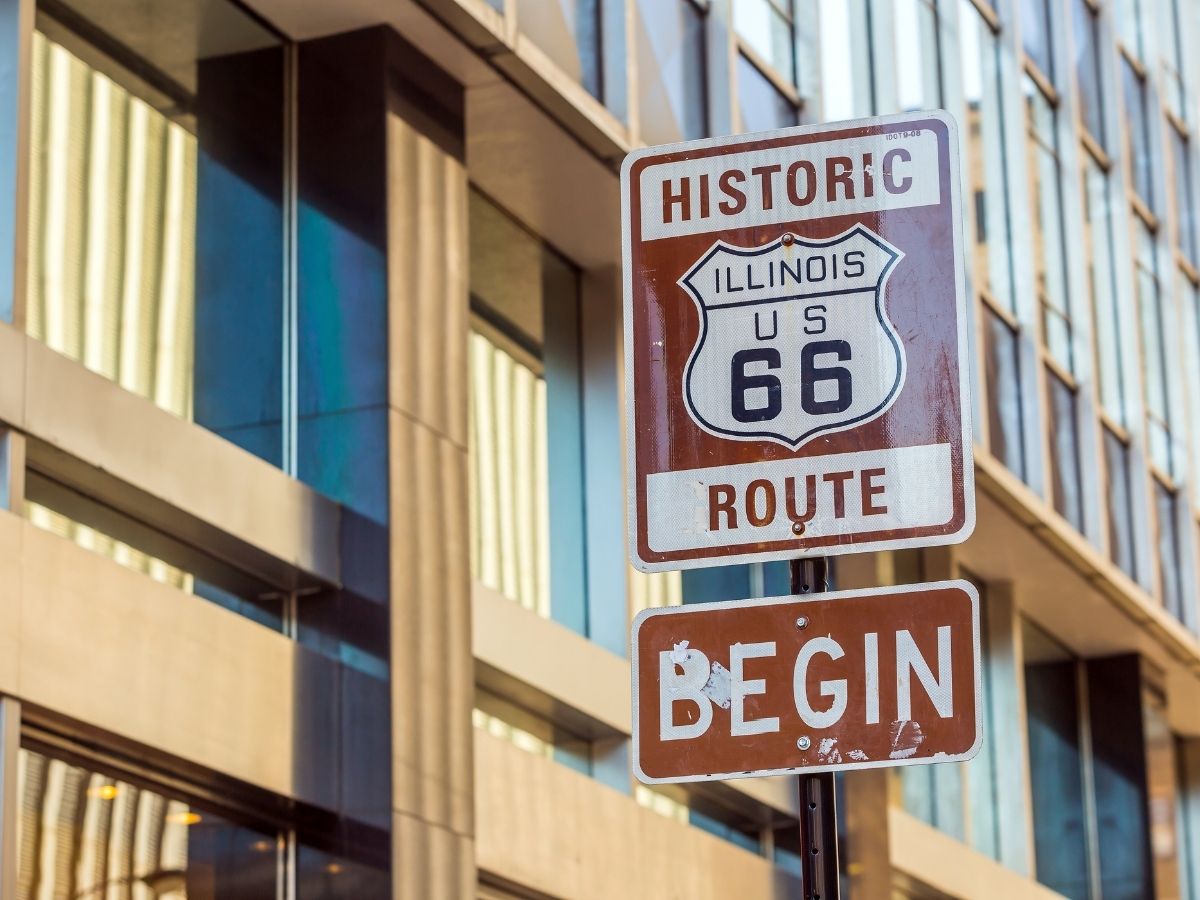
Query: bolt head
point(802, 622)
point(797, 527)
point(804, 743)
point(787, 239)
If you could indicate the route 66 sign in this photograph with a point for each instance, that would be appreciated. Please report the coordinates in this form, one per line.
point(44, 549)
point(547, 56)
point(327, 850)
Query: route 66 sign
point(795, 344)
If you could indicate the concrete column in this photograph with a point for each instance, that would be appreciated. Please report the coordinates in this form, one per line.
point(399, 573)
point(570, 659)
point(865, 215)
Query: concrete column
point(10, 746)
point(16, 39)
point(432, 665)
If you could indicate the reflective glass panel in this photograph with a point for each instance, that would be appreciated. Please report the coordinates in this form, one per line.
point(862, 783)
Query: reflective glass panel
point(672, 71)
point(918, 85)
point(156, 206)
point(761, 105)
point(1064, 450)
point(1086, 32)
point(1170, 578)
point(326, 876)
point(568, 31)
point(1035, 34)
point(1099, 219)
point(1138, 129)
point(1118, 497)
point(1130, 21)
point(985, 163)
point(1181, 154)
point(1048, 226)
point(765, 25)
point(1154, 358)
point(525, 432)
point(1167, 844)
point(839, 72)
point(83, 834)
point(1173, 38)
point(1005, 432)
point(1191, 338)
point(1056, 765)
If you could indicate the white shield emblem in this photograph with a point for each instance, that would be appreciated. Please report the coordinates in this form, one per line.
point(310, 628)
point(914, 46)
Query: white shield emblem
point(794, 340)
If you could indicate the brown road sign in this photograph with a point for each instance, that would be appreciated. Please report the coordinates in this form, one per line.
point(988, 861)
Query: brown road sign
point(846, 680)
point(795, 344)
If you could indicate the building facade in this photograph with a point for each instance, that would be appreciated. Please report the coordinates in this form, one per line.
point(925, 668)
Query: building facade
point(313, 580)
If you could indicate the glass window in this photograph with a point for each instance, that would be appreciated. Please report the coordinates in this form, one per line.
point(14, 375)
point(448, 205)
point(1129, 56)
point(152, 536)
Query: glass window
point(321, 875)
point(761, 105)
point(568, 31)
point(103, 530)
point(840, 71)
point(1035, 35)
point(1049, 232)
point(525, 432)
point(1162, 788)
point(1175, 88)
point(531, 732)
point(766, 27)
point(156, 252)
point(1154, 357)
point(1118, 497)
point(1184, 193)
point(672, 71)
point(1064, 450)
point(1130, 19)
point(1170, 578)
point(1191, 337)
point(1085, 24)
point(1101, 280)
point(1056, 765)
point(1141, 173)
point(1002, 370)
point(81, 833)
point(984, 145)
point(918, 85)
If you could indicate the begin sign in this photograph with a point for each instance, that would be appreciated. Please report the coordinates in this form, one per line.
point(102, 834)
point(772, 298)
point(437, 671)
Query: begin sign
point(795, 344)
point(846, 680)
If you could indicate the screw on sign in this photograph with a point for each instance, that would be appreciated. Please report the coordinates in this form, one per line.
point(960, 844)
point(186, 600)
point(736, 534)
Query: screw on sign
point(796, 344)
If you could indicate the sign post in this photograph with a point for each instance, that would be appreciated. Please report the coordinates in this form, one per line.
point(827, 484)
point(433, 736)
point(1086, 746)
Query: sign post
point(797, 388)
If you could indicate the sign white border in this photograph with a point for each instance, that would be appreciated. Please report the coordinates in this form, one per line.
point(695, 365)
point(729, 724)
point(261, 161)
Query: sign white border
point(971, 753)
point(964, 364)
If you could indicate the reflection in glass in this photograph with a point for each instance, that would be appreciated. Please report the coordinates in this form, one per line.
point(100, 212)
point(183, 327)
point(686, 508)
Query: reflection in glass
point(1191, 343)
point(1183, 191)
point(1101, 279)
point(1162, 785)
point(839, 71)
point(1064, 451)
point(1086, 32)
point(672, 72)
point(568, 31)
point(1005, 431)
point(1048, 226)
point(103, 530)
point(85, 835)
point(1056, 766)
point(1170, 578)
point(325, 876)
point(525, 432)
point(1172, 60)
point(1118, 496)
point(766, 26)
point(985, 163)
point(1154, 357)
point(530, 732)
point(761, 105)
point(918, 85)
point(144, 157)
point(1141, 161)
point(1035, 34)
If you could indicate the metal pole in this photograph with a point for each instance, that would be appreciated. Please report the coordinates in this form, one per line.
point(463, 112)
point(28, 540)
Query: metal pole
point(818, 803)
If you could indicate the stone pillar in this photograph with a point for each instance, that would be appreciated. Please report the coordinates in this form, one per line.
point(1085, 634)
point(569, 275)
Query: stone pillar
point(433, 680)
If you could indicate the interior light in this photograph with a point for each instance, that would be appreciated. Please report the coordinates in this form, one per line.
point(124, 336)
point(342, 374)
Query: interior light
point(104, 792)
point(184, 818)
point(333, 868)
